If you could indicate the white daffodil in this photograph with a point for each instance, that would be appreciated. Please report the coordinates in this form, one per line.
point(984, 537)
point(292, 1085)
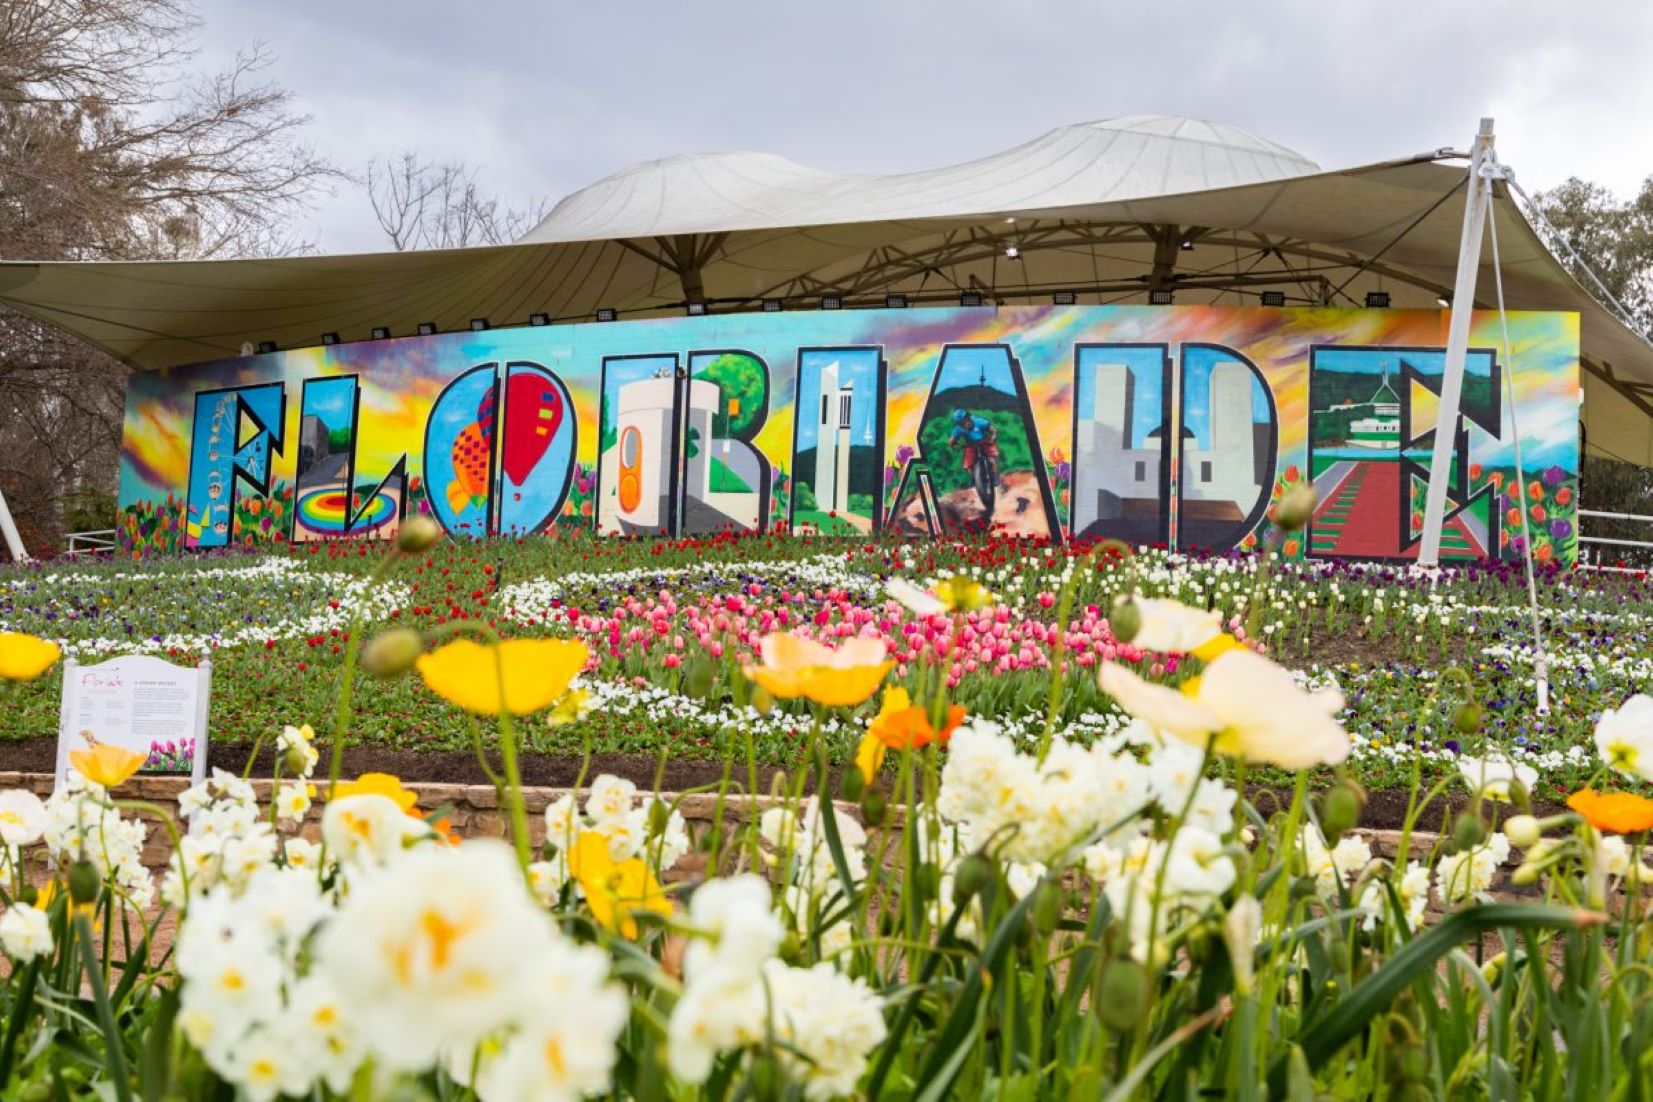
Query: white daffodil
point(22, 818)
point(428, 953)
point(25, 933)
point(917, 600)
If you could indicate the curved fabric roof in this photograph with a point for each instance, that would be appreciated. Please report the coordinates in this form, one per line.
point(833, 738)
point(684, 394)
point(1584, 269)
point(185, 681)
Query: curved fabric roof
point(1109, 210)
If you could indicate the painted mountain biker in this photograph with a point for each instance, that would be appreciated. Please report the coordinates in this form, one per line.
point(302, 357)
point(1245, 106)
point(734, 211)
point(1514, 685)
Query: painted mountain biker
point(979, 440)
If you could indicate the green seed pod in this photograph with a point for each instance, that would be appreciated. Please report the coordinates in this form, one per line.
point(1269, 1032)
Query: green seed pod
point(84, 881)
point(660, 817)
point(393, 652)
point(971, 878)
point(1125, 620)
point(418, 534)
point(1468, 832)
point(1339, 812)
point(1466, 718)
point(1338, 953)
point(852, 784)
point(926, 881)
point(873, 807)
point(1122, 994)
point(28, 895)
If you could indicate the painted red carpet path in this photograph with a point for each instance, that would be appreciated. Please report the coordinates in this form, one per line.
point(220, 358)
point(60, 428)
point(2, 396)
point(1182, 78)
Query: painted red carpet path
point(1357, 518)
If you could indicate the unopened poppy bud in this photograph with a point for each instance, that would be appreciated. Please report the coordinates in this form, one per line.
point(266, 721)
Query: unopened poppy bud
point(762, 702)
point(1122, 994)
point(698, 683)
point(418, 534)
point(1125, 620)
point(1466, 719)
point(1296, 507)
point(84, 881)
point(873, 807)
point(1047, 907)
point(660, 817)
point(392, 653)
point(1340, 811)
point(971, 878)
point(1522, 831)
point(852, 784)
point(1468, 832)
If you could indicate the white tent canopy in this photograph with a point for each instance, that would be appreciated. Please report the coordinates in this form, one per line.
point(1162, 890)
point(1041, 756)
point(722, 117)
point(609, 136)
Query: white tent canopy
point(1110, 211)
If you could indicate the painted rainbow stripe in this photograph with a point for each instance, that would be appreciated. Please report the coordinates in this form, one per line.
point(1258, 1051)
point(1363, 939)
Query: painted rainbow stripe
point(326, 511)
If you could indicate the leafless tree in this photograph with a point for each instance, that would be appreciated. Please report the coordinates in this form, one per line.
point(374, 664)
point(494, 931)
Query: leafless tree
point(114, 146)
point(424, 204)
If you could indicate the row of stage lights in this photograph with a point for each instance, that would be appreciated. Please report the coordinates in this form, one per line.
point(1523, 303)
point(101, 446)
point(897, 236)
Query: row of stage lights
point(1375, 300)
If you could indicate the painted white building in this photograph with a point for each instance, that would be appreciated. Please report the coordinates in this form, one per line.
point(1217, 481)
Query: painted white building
point(1227, 470)
point(645, 422)
point(832, 442)
point(1107, 471)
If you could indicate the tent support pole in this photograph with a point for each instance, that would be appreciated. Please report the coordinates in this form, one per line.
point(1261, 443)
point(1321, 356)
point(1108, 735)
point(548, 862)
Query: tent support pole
point(8, 528)
point(1457, 346)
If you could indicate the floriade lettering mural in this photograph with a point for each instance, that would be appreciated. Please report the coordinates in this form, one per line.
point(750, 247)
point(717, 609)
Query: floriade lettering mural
point(1180, 426)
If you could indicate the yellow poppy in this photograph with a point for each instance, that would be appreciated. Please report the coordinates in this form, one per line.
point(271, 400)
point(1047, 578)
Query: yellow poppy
point(536, 672)
point(107, 765)
point(1613, 812)
point(963, 594)
point(901, 726)
point(793, 666)
point(380, 784)
point(49, 891)
point(25, 657)
point(615, 890)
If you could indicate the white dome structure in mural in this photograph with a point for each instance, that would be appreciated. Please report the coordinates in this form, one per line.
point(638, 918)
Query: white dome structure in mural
point(1143, 208)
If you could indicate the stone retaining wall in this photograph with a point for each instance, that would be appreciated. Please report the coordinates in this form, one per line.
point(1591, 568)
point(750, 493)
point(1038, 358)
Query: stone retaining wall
point(476, 811)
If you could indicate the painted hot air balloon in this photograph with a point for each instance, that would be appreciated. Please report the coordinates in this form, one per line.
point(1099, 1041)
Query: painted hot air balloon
point(472, 450)
point(533, 413)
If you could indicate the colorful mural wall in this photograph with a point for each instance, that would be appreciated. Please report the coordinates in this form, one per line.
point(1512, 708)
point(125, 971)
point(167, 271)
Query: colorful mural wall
point(1170, 425)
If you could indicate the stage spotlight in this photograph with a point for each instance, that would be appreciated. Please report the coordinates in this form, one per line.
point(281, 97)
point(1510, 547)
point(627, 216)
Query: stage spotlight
point(1446, 303)
point(545, 319)
point(1160, 298)
point(773, 305)
point(478, 324)
point(832, 302)
point(970, 298)
point(1012, 252)
point(697, 309)
point(381, 332)
point(329, 339)
point(266, 346)
point(1377, 300)
point(1064, 298)
point(1274, 298)
point(608, 313)
point(1187, 246)
point(895, 302)
point(427, 329)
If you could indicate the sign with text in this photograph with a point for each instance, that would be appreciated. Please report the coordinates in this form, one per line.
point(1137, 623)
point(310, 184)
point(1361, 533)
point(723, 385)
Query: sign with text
point(1177, 425)
point(141, 703)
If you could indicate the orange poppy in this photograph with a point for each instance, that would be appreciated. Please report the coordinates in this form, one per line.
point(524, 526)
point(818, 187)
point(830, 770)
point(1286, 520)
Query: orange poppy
point(1613, 812)
point(900, 725)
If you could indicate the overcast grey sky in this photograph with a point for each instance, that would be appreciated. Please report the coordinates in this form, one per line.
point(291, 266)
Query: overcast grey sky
point(546, 98)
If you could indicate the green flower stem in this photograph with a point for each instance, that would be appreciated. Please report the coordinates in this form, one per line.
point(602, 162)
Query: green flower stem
point(347, 677)
point(114, 1056)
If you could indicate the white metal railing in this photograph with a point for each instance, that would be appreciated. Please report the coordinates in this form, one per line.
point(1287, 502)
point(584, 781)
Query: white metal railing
point(82, 543)
point(1610, 541)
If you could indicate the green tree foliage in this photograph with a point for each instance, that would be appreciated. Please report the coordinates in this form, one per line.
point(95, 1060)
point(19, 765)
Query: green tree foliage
point(1615, 238)
point(740, 377)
